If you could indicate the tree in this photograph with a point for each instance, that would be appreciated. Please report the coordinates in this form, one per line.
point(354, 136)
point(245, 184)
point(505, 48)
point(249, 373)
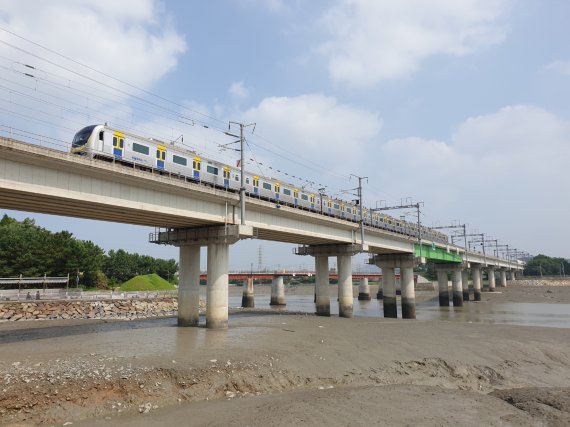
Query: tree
point(542, 265)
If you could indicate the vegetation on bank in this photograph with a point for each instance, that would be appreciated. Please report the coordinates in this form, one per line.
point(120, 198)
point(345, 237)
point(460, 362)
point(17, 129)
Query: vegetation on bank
point(31, 251)
point(147, 282)
point(542, 265)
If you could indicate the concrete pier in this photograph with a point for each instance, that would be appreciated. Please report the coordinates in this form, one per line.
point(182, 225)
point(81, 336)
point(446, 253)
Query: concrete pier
point(389, 292)
point(380, 293)
point(457, 287)
point(322, 296)
point(443, 286)
point(491, 275)
point(364, 290)
point(217, 291)
point(247, 300)
point(189, 286)
point(503, 275)
point(345, 297)
point(476, 273)
point(465, 284)
point(408, 290)
point(277, 291)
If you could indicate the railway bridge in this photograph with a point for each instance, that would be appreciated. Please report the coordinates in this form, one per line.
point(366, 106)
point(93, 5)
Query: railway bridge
point(190, 215)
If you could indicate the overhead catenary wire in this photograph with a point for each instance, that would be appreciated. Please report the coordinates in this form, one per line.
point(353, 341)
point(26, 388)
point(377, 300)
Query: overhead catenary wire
point(173, 115)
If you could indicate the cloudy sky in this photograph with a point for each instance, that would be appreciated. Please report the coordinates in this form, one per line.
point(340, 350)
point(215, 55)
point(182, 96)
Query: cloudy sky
point(460, 104)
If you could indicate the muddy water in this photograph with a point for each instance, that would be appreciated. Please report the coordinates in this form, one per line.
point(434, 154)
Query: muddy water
point(525, 314)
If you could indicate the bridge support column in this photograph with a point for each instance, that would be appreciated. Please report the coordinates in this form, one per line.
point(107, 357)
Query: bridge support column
point(456, 286)
point(476, 272)
point(443, 286)
point(217, 292)
point(217, 239)
point(364, 290)
point(465, 284)
point(277, 291)
point(389, 292)
point(322, 295)
point(345, 297)
point(408, 290)
point(247, 300)
point(512, 275)
point(491, 276)
point(503, 274)
point(189, 286)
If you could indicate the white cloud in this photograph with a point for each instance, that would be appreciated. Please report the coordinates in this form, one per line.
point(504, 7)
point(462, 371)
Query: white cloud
point(238, 90)
point(317, 129)
point(375, 40)
point(131, 40)
point(562, 67)
point(505, 170)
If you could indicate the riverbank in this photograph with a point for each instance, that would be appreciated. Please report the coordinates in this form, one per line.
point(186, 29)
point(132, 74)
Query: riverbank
point(280, 369)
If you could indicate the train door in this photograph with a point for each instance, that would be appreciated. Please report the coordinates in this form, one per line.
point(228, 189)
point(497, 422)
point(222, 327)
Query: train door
point(160, 156)
point(196, 167)
point(354, 213)
point(255, 185)
point(329, 206)
point(296, 196)
point(277, 190)
point(342, 209)
point(312, 200)
point(226, 176)
point(118, 144)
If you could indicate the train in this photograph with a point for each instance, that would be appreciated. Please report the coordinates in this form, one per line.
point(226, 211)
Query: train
point(107, 143)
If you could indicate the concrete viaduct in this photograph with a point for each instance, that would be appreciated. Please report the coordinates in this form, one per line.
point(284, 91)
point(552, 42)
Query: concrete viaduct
point(44, 180)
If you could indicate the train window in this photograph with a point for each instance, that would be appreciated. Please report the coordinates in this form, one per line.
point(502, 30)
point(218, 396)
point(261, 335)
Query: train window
point(247, 180)
point(160, 154)
point(115, 141)
point(121, 142)
point(101, 136)
point(211, 169)
point(348, 209)
point(336, 206)
point(277, 188)
point(138, 148)
point(236, 177)
point(304, 197)
point(286, 191)
point(267, 186)
point(179, 160)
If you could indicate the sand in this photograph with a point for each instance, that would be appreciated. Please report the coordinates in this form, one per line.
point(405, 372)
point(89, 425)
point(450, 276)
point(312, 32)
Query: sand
point(284, 369)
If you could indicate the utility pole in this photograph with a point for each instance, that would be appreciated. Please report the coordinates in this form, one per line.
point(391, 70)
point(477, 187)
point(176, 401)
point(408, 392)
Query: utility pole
point(464, 235)
point(359, 194)
point(242, 163)
point(407, 206)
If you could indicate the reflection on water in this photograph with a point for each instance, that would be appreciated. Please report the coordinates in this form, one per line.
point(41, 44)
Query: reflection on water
point(529, 314)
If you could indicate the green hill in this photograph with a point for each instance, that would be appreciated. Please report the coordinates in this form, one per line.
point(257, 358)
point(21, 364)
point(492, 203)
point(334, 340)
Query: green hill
point(147, 282)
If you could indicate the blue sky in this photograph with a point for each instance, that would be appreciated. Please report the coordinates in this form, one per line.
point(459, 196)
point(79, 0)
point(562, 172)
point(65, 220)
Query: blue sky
point(460, 104)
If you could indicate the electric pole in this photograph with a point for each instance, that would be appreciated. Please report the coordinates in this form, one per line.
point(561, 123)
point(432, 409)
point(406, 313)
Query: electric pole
point(464, 235)
point(407, 206)
point(242, 163)
point(359, 194)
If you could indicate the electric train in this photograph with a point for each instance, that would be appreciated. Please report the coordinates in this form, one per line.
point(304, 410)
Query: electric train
point(104, 142)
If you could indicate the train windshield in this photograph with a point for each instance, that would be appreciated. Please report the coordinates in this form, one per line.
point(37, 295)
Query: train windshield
point(82, 136)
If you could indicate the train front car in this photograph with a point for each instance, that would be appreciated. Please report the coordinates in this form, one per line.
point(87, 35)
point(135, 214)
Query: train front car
point(82, 141)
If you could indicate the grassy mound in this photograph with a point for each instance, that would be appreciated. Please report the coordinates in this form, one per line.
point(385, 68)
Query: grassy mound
point(148, 282)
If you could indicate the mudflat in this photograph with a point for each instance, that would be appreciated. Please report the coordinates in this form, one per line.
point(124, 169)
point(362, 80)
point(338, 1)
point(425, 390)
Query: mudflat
point(273, 368)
